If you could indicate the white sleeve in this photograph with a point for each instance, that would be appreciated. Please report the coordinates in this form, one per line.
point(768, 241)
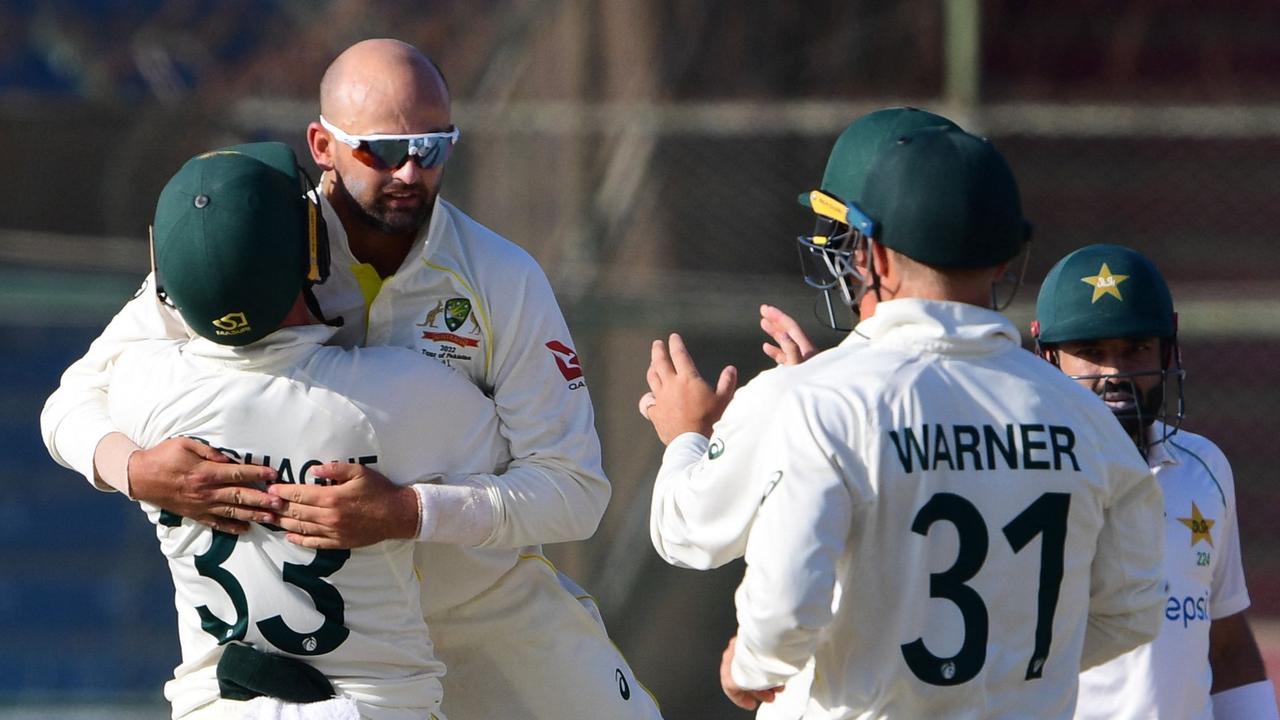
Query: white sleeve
point(1255, 701)
point(794, 548)
point(555, 489)
point(75, 417)
point(1228, 594)
point(1126, 591)
point(431, 423)
point(706, 496)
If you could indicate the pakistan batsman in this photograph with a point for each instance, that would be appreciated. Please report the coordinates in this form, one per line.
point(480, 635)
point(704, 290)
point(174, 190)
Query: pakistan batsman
point(1106, 317)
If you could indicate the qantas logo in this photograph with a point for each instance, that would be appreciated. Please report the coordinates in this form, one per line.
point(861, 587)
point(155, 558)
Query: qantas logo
point(566, 359)
point(624, 689)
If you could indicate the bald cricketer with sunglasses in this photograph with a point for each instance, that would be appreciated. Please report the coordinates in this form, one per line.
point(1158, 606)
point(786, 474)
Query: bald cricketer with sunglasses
point(409, 269)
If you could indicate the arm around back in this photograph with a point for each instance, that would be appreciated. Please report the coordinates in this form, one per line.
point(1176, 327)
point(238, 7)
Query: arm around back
point(176, 475)
point(75, 418)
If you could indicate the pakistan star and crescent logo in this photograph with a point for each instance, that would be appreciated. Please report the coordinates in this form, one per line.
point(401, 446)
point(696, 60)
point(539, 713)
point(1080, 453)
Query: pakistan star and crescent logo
point(1104, 283)
point(1201, 526)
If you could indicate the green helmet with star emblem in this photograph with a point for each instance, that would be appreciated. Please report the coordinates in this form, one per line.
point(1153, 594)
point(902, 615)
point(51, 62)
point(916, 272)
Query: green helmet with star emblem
point(1103, 291)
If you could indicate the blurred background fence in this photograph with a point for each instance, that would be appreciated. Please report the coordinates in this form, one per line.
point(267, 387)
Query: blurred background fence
point(648, 154)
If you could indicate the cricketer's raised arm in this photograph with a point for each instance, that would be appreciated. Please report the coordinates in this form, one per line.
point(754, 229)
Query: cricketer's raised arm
point(706, 494)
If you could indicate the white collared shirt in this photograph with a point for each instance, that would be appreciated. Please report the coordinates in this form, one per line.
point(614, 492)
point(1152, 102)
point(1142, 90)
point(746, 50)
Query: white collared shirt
point(1170, 678)
point(292, 404)
point(935, 488)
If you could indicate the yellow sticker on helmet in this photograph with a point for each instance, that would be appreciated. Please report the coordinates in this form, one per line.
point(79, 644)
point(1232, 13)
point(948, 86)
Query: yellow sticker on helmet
point(829, 207)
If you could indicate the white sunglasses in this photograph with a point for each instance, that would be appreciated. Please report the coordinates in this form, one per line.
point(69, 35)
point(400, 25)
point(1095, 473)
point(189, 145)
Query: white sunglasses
point(389, 152)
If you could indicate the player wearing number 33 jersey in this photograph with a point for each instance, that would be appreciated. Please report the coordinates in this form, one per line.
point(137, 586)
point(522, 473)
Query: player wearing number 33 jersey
point(952, 529)
point(279, 397)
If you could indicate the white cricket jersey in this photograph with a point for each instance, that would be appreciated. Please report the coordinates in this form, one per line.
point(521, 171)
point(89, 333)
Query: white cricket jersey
point(464, 296)
point(480, 304)
point(1170, 677)
point(290, 403)
point(954, 528)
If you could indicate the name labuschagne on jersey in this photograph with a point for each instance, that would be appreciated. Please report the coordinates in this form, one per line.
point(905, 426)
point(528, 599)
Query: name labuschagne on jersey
point(985, 447)
point(284, 465)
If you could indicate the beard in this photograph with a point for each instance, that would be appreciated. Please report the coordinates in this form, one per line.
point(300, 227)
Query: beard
point(1144, 409)
point(379, 215)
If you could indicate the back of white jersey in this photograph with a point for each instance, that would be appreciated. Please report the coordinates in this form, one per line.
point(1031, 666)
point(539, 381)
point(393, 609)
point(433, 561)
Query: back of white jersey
point(355, 615)
point(953, 506)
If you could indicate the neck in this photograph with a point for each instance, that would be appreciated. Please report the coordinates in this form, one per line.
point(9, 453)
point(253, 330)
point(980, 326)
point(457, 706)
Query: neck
point(299, 314)
point(385, 251)
point(928, 285)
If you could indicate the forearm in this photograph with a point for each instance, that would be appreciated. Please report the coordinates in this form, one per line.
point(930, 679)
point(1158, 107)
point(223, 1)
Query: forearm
point(75, 418)
point(455, 514)
point(764, 661)
point(670, 528)
point(535, 503)
point(111, 461)
point(703, 507)
point(73, 423)
point(1233, 654)
point(1106, 638)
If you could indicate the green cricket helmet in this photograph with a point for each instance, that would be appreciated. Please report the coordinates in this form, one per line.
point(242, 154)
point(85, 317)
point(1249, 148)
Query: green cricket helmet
point(947, 199)
point(939, 196)
point(236, 239)
point(826, 256)
point(1103, 292)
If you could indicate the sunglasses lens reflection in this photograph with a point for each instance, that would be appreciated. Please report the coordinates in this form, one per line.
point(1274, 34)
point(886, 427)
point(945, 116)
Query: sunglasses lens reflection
point(391, 154)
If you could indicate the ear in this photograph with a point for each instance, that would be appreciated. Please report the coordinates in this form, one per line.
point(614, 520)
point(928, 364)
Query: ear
point(321, 146)
point(1041, 350)
point(883, 260)
point(998, 274)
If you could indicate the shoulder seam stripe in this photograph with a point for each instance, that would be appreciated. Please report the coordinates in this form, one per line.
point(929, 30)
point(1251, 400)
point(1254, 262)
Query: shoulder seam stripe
point(1204, 465)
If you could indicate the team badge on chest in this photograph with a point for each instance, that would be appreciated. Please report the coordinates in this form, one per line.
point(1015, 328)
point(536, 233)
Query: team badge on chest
point(451, 331)
point(1200, 526)
point(456, 312)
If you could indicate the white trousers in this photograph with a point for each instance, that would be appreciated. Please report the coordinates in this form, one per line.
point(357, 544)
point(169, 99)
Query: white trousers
point(529, 648)
point(272, 709)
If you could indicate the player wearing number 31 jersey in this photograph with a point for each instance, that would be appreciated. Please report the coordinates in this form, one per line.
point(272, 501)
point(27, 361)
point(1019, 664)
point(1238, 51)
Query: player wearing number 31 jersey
point(950, 529)
point(226, 255)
